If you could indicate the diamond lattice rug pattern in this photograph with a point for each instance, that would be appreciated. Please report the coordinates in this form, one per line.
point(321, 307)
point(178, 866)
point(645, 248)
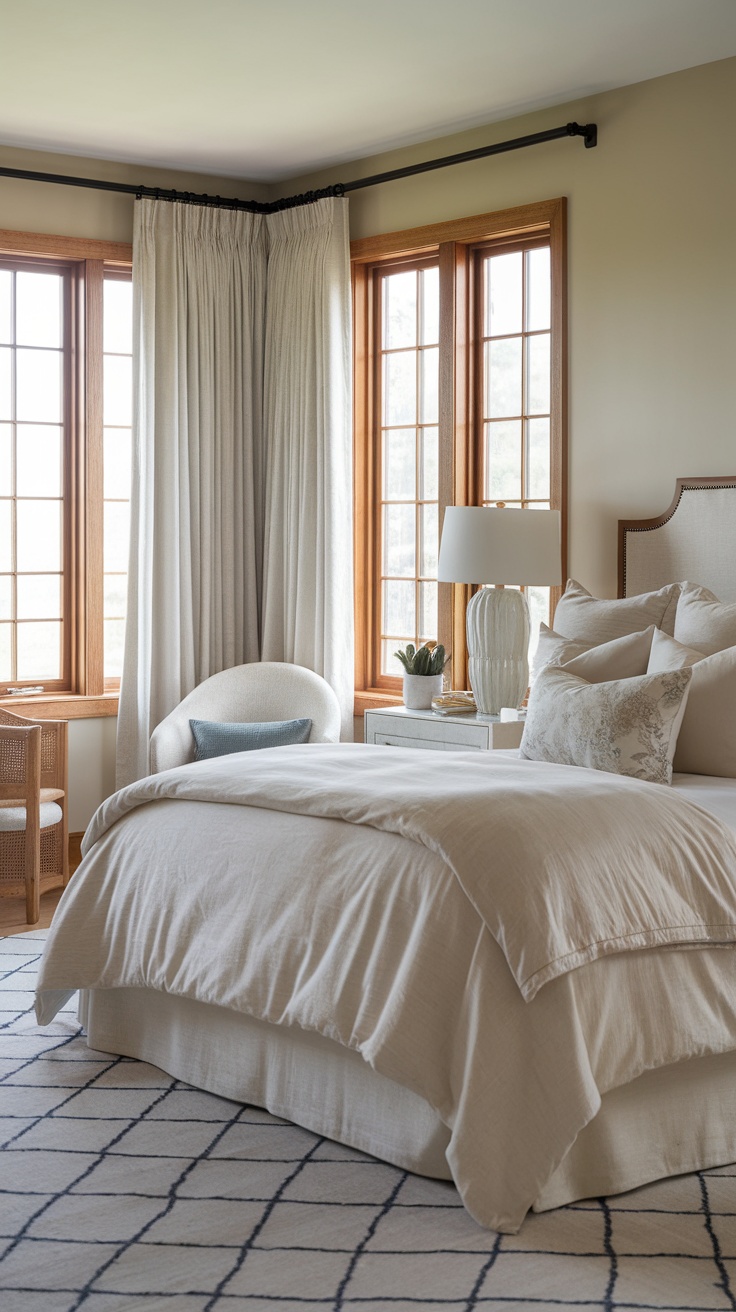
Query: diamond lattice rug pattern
point(123, 1189)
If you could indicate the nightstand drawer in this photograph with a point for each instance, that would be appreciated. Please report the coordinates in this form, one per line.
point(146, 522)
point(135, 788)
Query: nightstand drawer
point(399, 727)
point(429, 744)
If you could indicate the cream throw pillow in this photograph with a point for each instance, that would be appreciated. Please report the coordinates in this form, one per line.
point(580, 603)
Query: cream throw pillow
point(707, 739)
point(552, 647)
point(703, 621)
point(582, 616)
point(620, 659)
point(626, 726)
point(668, 654)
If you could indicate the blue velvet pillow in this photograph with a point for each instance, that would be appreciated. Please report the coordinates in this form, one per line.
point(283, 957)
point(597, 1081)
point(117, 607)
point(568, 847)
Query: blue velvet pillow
point(214, 739)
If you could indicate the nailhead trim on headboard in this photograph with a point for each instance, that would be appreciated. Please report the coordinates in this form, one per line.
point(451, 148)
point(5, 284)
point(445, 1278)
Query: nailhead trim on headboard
point(638, 526)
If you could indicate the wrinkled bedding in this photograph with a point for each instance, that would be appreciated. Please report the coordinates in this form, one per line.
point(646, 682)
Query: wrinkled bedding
point(447, 923)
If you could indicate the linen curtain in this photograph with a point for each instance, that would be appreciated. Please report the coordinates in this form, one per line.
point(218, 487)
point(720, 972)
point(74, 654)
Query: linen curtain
point(307, 567)
point(207, 461)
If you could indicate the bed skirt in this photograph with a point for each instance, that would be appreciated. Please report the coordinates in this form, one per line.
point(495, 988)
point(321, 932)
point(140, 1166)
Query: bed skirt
point(636, 1138)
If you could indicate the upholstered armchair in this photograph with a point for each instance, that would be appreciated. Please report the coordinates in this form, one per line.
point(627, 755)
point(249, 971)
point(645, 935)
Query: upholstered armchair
point(259, 691)
point(34, 836)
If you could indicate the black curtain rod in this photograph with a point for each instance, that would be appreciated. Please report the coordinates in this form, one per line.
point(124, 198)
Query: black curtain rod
point(588, 131)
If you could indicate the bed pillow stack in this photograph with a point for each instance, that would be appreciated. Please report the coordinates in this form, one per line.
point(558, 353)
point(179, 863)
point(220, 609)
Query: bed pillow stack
point(705, 640)
point(594, 701)
point(683, 628)
point(583, 622)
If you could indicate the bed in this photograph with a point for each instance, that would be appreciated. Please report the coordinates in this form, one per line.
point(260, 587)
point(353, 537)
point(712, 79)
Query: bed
point(374, 944)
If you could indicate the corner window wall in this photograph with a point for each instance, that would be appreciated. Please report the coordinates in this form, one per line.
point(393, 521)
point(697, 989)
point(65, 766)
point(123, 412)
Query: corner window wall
point(65, 426)
point(459, 400)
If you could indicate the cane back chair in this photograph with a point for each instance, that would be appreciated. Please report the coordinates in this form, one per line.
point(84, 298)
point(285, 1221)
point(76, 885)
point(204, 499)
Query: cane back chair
point(34, 837)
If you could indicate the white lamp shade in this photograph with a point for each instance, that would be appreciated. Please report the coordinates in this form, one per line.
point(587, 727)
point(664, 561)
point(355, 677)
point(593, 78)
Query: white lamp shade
point(484, 544)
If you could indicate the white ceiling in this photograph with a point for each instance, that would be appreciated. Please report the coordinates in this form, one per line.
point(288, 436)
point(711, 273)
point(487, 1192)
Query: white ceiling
point(268, 89)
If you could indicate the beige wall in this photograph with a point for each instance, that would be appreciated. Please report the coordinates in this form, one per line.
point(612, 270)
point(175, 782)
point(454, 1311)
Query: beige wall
point(652, 281)
point(652, 289)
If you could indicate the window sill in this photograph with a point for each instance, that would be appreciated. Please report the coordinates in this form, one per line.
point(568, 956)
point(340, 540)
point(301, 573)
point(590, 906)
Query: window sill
point(373, 701)
point(61, 706)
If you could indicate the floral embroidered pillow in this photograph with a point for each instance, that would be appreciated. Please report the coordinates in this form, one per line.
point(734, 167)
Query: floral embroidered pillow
point(626, 726)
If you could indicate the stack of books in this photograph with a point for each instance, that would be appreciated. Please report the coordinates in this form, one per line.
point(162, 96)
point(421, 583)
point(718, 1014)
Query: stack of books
point(454, 703)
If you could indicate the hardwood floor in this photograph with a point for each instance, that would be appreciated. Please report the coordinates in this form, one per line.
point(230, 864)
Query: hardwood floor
point(13, 913)
point(13, 909)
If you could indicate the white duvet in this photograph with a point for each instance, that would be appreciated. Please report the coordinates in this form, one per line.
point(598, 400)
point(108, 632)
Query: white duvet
point(445, 919)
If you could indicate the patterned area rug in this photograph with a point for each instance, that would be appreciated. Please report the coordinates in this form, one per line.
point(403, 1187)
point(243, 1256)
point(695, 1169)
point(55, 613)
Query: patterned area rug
point(123, 1189)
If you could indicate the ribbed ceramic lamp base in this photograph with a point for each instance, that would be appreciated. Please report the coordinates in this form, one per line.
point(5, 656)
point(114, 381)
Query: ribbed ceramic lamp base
point(498, 630)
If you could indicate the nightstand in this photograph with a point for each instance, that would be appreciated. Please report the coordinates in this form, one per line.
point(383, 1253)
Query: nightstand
point(398, 727)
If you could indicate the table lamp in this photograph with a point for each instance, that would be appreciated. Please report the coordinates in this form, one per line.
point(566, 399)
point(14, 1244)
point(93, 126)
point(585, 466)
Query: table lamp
point(500, 546)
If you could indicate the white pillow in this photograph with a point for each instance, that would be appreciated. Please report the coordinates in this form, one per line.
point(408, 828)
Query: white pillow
point(707, 739)
point(552, 647)
point(622, 658)
point(704, 622)
point(626, 726)
point(668, 654)
point(582, 616)
point(707, 742)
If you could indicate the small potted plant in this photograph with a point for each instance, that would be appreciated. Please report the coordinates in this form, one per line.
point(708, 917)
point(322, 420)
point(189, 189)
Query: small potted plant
point(423, 668)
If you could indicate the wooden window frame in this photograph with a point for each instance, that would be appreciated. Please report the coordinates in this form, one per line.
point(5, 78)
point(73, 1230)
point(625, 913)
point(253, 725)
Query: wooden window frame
point(381, 682)
point(84, 693)
point(457, 246)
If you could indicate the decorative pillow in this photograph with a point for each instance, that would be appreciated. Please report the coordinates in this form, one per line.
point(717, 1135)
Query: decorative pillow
point(625, 727)
point(214, 739)
point(553, 648)
point(703, 621)
point(622, 658)
point(707, 740)
point(579, 615)
point(668, 654)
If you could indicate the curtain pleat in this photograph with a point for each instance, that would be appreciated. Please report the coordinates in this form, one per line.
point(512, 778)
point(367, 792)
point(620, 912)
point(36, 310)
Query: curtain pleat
point(241, 528)
point(307, 562)
point(196, 520)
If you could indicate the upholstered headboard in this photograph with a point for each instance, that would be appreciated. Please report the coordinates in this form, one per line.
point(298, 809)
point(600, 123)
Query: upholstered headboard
point(695, 539)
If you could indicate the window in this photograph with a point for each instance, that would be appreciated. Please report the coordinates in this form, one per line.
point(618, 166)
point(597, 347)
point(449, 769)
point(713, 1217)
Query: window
point(459, 399)
point(117, 399)
point(515, 307)
point(408, 351)
point(65, 416)
point(34, 367)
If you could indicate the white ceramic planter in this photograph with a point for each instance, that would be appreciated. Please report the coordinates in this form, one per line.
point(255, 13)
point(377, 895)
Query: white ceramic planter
point(419, 689)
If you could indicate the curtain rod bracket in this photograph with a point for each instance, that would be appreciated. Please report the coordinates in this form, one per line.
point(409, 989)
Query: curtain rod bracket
point(588, 131)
